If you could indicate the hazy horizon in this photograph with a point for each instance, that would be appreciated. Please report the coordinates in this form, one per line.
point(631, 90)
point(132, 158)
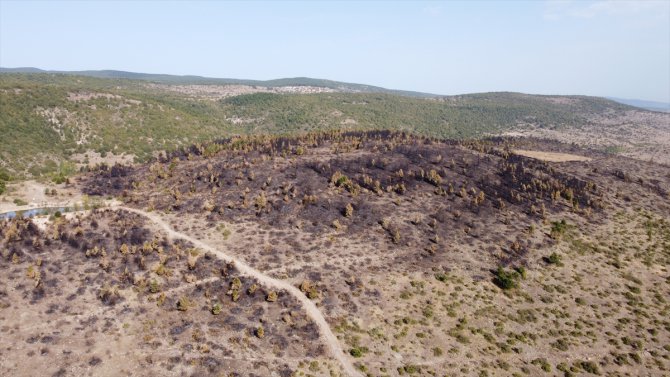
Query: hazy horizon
point(610, 49)
point(325, 78)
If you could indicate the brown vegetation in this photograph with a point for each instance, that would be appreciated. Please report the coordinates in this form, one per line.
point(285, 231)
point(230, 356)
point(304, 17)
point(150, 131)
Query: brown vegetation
point(426, 257)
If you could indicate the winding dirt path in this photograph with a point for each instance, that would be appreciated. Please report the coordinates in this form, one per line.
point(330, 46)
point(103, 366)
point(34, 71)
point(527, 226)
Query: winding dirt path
point(312, 311)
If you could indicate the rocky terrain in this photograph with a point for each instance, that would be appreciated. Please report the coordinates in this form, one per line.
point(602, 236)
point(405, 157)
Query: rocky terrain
point(218, 92)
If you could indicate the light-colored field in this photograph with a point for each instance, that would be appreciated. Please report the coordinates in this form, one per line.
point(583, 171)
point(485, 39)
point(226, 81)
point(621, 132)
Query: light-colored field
point(551, 156)
point(642, 135)
point(34, 194)
point(92, 158)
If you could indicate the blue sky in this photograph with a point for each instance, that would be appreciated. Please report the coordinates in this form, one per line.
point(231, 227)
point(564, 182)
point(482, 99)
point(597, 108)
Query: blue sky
point(614, 48)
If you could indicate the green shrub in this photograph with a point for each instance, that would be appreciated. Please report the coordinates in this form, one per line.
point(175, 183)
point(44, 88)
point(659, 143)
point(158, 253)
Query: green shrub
point(521, 270)
point(563, 367)
point(411, 369)
point(554, 258)
point(441, 277)
point(358, 351)
point(558, 228)
point(4, 178)
point(506, 279)
point(542, 363)
point(561, 344)
point(20, 202)
point(589, 367)
point(154, 287)
point(58, 179)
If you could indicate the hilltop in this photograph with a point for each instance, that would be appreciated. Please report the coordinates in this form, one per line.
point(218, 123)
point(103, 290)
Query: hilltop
point(648, 105)
point(200, 80)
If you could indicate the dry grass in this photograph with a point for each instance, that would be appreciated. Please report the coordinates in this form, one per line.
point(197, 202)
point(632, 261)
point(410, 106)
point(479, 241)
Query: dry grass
point(407, 281)
point(550, 156)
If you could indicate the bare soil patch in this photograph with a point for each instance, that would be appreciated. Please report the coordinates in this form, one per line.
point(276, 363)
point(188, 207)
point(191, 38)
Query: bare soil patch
point(22, 195)
point(92, 158)
point(550, 156)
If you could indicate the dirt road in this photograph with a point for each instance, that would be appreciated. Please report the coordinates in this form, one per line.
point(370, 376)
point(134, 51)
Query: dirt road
point(312, 311)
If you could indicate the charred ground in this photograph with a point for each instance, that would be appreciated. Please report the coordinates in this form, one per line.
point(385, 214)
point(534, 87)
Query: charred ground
point(426, 257)
point(104, 294)
point(403, 191)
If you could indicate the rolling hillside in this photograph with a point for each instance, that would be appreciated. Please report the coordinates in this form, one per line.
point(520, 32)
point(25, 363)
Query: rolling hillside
point(50, 121)
point(200, 80)
point(647, 105)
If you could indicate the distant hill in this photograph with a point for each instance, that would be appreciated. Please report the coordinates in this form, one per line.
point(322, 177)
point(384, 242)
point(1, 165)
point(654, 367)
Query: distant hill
point(190, 79)
point(21, 70)
point(647, 105)
point(50, 120)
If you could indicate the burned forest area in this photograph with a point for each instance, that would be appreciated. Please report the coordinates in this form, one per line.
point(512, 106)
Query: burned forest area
point(375, 253)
